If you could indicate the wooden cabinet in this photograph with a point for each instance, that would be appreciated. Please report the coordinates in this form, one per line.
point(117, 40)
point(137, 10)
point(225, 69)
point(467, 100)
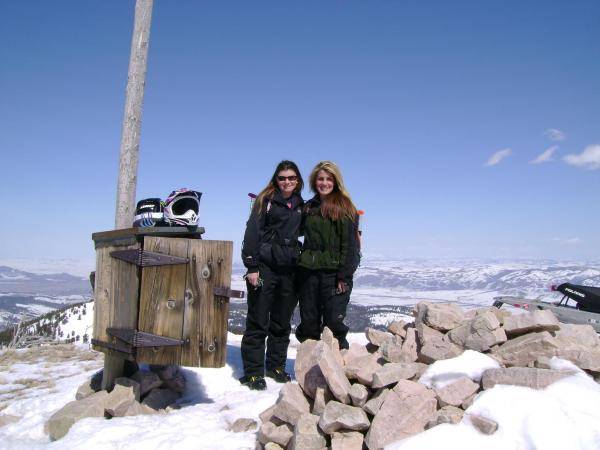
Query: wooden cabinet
point(162, 296)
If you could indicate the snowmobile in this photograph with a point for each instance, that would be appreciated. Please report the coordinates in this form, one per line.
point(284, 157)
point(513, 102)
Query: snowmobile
point(579, 304)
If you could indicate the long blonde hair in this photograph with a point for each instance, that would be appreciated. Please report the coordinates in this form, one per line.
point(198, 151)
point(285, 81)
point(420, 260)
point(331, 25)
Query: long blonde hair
point(270, 189)
point(337, 205)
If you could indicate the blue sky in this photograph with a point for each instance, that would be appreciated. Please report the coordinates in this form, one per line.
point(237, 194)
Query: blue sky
point(411, 99)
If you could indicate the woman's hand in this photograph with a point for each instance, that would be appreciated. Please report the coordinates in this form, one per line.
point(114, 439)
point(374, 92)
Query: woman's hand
point(341, 287)
point(252, 278)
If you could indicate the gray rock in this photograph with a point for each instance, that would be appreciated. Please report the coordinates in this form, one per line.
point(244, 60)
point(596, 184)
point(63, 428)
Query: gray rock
point(6, 419)
point(322, 396)
point(338, 416)
point(409, 347)
point(468, 402)
point(538, 320)
point(443, 316)
point(273, 446)
point(306, 434)
point(160, 398)
point(267, 416)
point(500, 314)
point(584, 335)
point(279, 434)
point(147, 381)
point(242, 425)
point(333, 372)
point(460, 334)
point(347, 440)
point(391, 349)
point(62, 420)
point(427, 334)
point(374, 404)
point(83, 391)
point(524, 350)
point(392, 373)
point(522, 376)
point(358, 394)
point(485, 332)
point(171, 375)
point(362, 368)
point(398, 328)
point(307, 371)
point(377, 337)
point(436, 350)
point(130, 383)
point(454, 394)
point(291, 403)
point(483, 424)
point(405, 412)
point(119, 399)
point(448, 414)
point(355, 351)
point(329, 339)
point(137, 409)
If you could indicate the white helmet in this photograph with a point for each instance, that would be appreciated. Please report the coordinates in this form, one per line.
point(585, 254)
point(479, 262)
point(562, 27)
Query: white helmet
point(182, 208)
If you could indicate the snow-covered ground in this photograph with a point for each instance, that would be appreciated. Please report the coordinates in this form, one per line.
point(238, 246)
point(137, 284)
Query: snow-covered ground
point(37, 382)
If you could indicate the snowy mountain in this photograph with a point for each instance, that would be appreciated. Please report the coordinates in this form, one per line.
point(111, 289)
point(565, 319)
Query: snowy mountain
point(36, 382)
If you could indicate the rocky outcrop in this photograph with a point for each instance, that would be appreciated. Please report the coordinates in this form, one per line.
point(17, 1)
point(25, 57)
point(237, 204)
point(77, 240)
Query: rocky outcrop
point(371, 396)
point(143, 393)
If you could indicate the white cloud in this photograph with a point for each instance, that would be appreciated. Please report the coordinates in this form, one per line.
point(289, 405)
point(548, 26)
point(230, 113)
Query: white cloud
point(568, 241)
point(545, 156)
point(588, 159)
point(555, 135)
point(498, 156)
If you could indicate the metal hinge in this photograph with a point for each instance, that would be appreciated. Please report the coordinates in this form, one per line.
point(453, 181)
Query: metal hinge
point(143, 258)
point(139, 339)
point(222, 291)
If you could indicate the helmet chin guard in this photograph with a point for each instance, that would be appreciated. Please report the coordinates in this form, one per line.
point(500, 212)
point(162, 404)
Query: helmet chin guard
point(182, 208)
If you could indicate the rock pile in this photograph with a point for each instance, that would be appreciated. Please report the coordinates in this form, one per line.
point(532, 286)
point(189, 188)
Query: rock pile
point(370, 396)
point(145, 392)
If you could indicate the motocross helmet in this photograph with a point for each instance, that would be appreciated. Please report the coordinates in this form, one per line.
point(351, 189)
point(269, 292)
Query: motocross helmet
point(149, 213)
point(182, 207)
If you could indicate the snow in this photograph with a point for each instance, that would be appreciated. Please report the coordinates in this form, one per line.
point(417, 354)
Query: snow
point(563, 416)
point(469, 364)
point(35, 383)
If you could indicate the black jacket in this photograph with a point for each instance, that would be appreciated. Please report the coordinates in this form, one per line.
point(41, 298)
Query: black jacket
point(331, 245)
point(271, 235)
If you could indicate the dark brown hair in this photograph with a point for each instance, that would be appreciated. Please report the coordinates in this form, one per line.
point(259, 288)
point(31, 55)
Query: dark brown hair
point(268, 191)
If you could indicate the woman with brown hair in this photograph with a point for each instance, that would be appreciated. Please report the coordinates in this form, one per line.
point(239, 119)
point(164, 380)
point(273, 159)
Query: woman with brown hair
point(270, 253)
point(330, 255)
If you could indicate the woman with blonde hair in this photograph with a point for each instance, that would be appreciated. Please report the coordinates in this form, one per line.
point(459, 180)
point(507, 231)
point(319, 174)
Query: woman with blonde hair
point(330, 255)
point(270, 253)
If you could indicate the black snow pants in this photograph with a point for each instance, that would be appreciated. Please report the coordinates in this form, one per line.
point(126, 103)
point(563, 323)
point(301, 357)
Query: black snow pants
point(270, 310)
point(321, 306)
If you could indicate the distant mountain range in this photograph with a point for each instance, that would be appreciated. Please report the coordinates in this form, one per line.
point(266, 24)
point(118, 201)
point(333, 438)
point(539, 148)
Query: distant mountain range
point(377, 284)
point(18, 281)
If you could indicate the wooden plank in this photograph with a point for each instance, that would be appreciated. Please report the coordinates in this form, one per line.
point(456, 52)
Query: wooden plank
point(206, 319)
point(128, 233)
point(115, 304)
point(162, 300)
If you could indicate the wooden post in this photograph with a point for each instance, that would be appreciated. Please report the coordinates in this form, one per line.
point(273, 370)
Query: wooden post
point(130, 141)
point(132, 118)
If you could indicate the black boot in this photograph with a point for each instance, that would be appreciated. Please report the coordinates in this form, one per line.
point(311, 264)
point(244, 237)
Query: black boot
point(254, 382)
point(279, 375)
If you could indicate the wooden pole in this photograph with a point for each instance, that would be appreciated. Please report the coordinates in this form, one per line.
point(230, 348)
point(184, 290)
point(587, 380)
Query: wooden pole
point(132, 118)
point(130, 142)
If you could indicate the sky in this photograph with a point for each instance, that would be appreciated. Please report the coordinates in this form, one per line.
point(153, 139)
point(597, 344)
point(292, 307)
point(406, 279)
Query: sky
point(463, 129)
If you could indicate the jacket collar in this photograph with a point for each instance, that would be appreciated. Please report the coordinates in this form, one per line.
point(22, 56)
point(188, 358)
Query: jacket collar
point(294, 198)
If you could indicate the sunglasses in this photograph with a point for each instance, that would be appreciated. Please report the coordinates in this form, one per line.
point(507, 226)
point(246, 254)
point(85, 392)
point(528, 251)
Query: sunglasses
point(290, 178)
